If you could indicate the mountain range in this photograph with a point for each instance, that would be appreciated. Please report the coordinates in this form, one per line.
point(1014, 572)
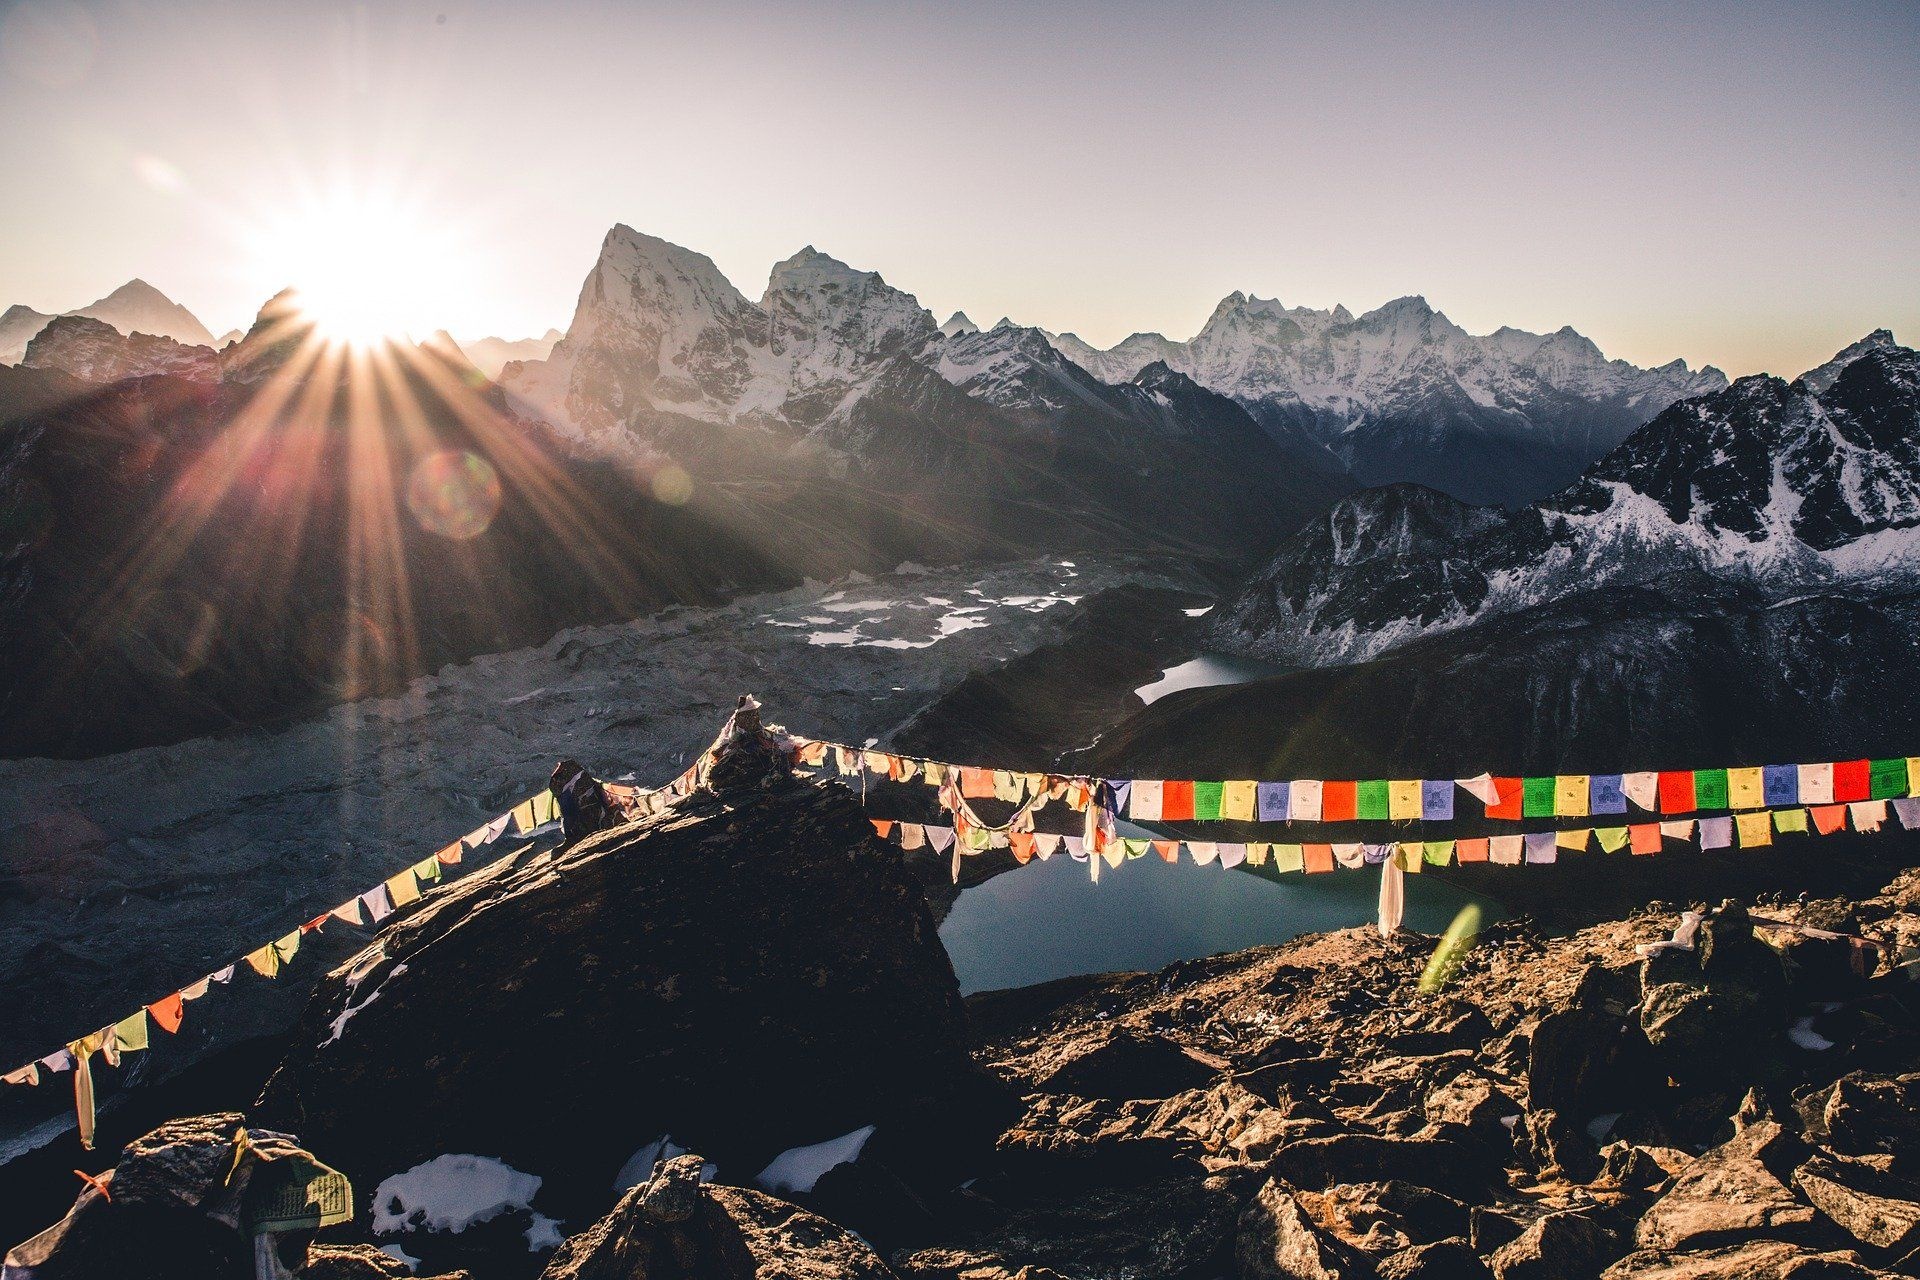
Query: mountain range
point(1398, 393)
point(1736, 583)
point(1403, 393)
point(135, 307)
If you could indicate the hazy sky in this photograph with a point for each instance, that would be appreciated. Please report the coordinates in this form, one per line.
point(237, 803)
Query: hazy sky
point(1727, 183)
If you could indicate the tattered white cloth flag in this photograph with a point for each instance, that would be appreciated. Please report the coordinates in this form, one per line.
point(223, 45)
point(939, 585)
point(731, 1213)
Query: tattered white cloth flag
point(1393, 896)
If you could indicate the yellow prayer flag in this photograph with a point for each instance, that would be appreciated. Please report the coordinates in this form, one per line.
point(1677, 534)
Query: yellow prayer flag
point(1575, 839)
point(545, 808)
point(1790, 820)
point(1409, 854)
point(1403, 800)
point(1746, 789)
point(1612, 839)
point(523, 818)
point(348, 911)
point(1236, 801)
point(1913, 775)
point(288, 947)
point(1257, 854)
point(265, 961)
point(402, 889)
point(1570, 799)
point(1755, 829)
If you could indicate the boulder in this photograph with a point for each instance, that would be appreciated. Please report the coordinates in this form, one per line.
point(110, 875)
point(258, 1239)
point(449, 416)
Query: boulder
point(1727, 1194)
point(180, 1204)
point(730, 1234)
point(1122, 1063)
point(360, 1262)
point(747, 971)
point(1872, 1206)
point(1711, 1014)
point(1863, 1114)
point(1177, 1226)
point(1440, 1157)
point(1441, 1260)
point(1754, 1260)
point(1560, 1246)
point(1278, 1240)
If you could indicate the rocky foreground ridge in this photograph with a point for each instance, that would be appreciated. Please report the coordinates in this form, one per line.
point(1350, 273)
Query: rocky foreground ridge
point(1561, 1107)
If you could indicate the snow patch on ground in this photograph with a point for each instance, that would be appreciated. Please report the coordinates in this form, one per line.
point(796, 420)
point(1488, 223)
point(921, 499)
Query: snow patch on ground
point(451, 1193)
point(797, 1170)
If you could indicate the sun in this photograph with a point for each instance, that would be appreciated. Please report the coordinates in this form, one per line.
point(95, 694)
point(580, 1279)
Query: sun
point(367, 267)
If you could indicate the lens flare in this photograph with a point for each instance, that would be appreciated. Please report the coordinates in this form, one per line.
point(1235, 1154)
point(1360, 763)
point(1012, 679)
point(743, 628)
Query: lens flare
point(455, 494)
point(672, 485)
point(1453, 948)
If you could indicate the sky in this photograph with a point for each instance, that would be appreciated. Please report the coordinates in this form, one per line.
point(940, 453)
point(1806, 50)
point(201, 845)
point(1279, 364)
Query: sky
point(1732, 184)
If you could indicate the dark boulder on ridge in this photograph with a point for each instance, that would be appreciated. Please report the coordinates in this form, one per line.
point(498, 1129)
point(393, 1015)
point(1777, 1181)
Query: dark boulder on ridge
point(748, 971)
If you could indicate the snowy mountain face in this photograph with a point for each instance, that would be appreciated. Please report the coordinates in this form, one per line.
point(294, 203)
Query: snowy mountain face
point(1403, 393)
point(1767, 487)
point(135, 307)
point(660, 332)
point(835, 372)
point(95, 351)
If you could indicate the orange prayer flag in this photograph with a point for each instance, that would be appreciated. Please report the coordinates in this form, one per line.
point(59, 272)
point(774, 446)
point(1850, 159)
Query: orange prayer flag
point(450, 856)
point(1022, 844)
point(976, 784)
point(1471, 850)
point(168, 1013)
point(883, 826)
point(1644, 837)
point(1829, 818)
point(1318, 857)
point(1169, 850)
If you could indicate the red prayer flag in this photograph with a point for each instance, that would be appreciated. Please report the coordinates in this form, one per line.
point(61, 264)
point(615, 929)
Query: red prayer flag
point(1645, 836)
point(1318, 857)
point(1176, 801)
point(1339, 801)
point(1510, 792)
point(168, 1013)
point(1471, 850)
point(1676, 792)
point(1850, 780)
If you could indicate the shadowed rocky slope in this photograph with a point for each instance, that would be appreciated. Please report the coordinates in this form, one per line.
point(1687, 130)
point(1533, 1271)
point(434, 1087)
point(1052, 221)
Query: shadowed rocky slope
point(749, 970)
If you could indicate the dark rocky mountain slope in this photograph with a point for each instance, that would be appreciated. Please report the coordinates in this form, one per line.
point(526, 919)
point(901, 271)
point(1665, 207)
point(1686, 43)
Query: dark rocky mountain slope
point(1549, 1106)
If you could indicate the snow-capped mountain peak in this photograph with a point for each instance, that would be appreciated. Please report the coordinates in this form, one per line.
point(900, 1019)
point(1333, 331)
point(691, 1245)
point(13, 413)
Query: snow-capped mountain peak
point(958, 323)
point(1819, 379)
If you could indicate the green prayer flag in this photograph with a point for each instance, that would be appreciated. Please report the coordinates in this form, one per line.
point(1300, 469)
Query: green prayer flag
point(1137, 848)
point(131, 1033)
point(1709, 788)
point(1206, 800)
point(1439, 852)
point(1888, 778)
point(1536, 797)
point(1371, 801)
point(1612, 839)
